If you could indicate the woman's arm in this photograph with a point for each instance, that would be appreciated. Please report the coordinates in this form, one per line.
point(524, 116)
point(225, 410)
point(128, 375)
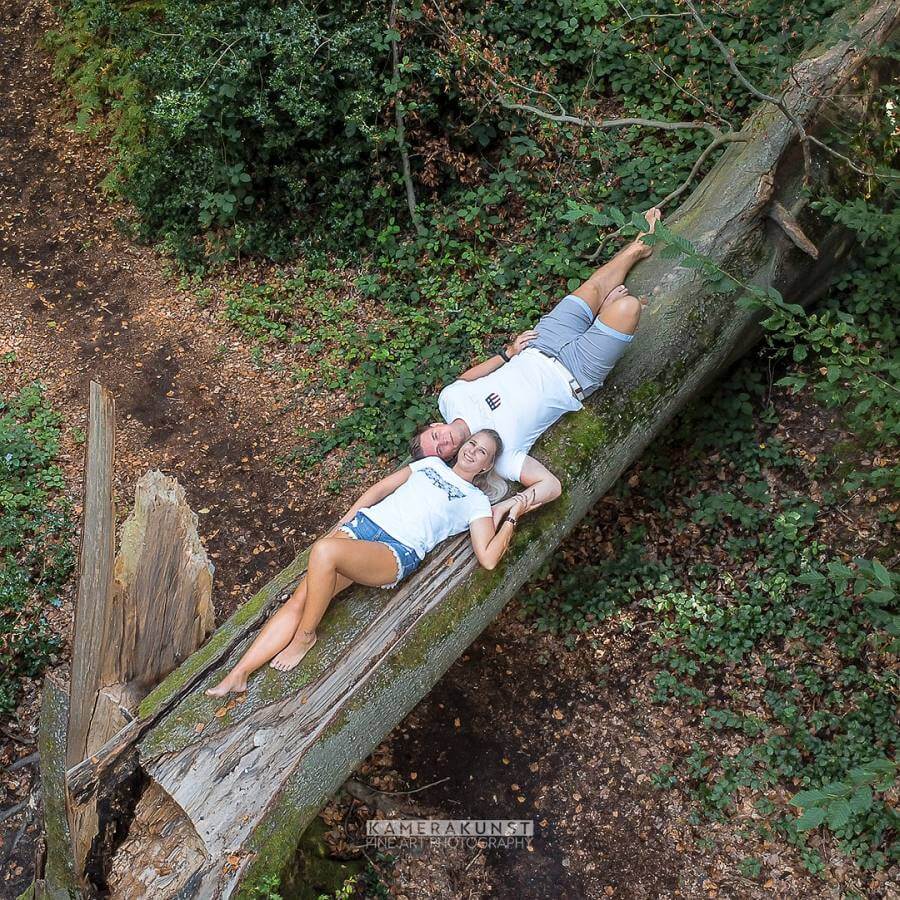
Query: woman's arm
point(377, 492)
point(489, 543)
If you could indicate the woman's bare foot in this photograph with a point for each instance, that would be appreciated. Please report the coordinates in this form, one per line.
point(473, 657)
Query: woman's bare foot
point(618, 291)
point(652, 216)
point(294, 652)
point(233, 682)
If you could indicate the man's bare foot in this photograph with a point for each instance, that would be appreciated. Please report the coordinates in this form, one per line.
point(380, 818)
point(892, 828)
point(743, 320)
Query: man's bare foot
point(233, 682)
point(293, 653)
point(652, 216)
point(618, 291)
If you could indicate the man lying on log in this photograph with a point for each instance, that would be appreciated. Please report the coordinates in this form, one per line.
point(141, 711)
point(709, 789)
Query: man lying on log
point(540, 376)
point(380, 540)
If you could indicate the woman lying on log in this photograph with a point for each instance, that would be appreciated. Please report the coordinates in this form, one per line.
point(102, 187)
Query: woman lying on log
point(381, 539)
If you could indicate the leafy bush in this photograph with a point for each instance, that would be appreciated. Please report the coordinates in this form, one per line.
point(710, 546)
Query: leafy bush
point(35, 538)
point(241, 126)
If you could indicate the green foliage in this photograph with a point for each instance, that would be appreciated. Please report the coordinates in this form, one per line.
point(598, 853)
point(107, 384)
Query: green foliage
point(240, 126)
point(839, 804)
point(250, 112)
point(232, 157)
point(848, 344)
point(267, 889)
point(35, 538)
point(344, 892)
point(780, 644)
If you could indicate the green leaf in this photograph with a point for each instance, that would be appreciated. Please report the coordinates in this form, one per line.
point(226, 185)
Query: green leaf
point(811, 818)
point(880, 765)
point(836, 789)
point(811, 578)
point(861, 801)
point(838, 814)
point(800, 352)
point(806, 799)
point(880, 598)
point(881, 573)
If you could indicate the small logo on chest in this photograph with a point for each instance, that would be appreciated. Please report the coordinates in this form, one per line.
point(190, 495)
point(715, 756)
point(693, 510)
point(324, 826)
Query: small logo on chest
point(492, 400)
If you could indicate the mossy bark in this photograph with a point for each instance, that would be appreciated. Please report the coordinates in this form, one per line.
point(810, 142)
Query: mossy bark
point(276, 758)
point(58, 880)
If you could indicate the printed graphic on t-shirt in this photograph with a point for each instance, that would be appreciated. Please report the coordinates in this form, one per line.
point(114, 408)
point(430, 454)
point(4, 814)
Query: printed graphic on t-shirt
point(492, 400)
point(453, 493)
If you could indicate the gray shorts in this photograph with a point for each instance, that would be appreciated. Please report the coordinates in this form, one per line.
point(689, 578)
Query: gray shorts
point(584, 345)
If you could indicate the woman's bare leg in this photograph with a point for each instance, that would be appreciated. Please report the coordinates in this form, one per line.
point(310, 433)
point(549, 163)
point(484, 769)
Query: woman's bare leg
point(274, 636)
point(364, 562)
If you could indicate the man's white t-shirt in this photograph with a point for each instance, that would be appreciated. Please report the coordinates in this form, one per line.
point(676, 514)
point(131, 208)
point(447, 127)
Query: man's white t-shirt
point(520, 401)
point(432, 504)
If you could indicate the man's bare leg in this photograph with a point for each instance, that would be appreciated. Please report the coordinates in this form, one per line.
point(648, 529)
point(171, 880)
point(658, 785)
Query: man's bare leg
point(611, 275)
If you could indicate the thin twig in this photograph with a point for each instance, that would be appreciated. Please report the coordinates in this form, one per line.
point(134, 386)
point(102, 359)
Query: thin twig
point(24, 739)
point(24, 761)
point(632, 18)
point(7, 856)
point(730, 138)
point(401, 131)
point(9, 813)
point(866, 172)
point(728, 54)
point(604, 124)
point(424, 787)
point(709, 109)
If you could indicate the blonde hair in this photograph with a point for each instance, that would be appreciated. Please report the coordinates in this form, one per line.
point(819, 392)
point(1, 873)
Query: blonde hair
point(490, 483)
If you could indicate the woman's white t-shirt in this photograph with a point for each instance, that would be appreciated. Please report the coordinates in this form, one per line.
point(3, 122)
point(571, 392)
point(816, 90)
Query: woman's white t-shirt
point(432, 504)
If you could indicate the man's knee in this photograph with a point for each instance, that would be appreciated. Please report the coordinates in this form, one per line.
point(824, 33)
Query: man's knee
point(623, 314)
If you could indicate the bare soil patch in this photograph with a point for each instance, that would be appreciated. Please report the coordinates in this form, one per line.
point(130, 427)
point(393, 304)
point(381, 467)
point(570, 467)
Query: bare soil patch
point(80, 301)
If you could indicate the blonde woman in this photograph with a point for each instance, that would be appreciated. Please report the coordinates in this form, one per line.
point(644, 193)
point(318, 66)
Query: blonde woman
point(381, 540)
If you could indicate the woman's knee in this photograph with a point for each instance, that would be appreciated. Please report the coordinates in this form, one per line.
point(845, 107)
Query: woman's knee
point(322, 552)
point(622, 314)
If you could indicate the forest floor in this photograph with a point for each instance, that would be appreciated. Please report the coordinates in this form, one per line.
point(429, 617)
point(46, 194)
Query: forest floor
point(521, 726)
point(80, 301)
point(567, 733)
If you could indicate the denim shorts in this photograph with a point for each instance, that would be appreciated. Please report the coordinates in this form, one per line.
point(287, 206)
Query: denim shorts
point(587, 347)
point(362, 528)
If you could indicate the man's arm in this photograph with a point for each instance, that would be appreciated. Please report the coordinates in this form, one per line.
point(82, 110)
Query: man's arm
point(539, 485)
point(494, 363)
point(482, 369)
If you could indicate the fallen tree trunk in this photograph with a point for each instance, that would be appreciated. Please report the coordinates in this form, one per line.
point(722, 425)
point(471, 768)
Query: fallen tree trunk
point(228, 789)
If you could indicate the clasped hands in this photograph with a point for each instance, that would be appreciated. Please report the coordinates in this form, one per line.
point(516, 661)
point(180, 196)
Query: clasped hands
point(517, 506)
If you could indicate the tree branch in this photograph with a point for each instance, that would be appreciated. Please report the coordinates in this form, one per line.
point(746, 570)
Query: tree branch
point(730, 137)
point(728, 54)
point(603, 124)
point(401, 131)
